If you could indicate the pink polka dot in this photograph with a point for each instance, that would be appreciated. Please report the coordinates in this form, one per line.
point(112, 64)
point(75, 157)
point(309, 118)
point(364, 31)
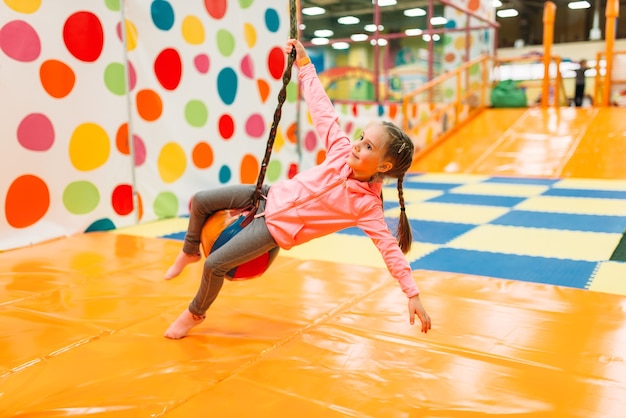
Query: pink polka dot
point(35, 132)
point(132, 76)
point(201, 62)
point(140, 150)
point(83, 36)
point(310, 141)
point(247, 67)
point(20, 41)
point(255, 126)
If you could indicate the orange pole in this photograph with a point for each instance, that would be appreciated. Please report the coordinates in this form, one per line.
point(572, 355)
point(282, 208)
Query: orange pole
point(548, 37)
point(612, 12)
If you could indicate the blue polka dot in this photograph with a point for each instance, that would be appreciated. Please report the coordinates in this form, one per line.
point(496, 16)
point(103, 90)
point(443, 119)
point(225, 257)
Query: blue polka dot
point(450, 24)
point(381, 110)
point(162, 14)
point(272, 20)
point(225, 174)
point(101, 225)
point(227, 85)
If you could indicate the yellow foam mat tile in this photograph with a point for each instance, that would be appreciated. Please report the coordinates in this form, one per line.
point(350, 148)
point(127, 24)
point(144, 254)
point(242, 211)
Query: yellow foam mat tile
point(610, 277)
point(156, 228)
point(448, 178)
point(552, 243)
point(581, 206)
point(595, 184)
point(500, 189)
point(410, 195)
point(449, 212)
point(351, 249)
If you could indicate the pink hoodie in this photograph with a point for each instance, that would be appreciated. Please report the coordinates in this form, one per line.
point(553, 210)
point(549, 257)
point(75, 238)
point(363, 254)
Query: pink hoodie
point(324, 199)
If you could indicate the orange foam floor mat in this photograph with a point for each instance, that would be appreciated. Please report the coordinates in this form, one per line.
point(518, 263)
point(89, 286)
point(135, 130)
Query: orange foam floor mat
point(82, 318)
point(553, 142)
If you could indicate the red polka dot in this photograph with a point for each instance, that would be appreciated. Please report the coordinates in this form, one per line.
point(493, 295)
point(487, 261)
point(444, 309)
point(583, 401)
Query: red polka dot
point(216, 8)
point(149, 105)
point(122, 199)
point(168, 68)
point(276, 62)
point(83, 36)
point(56, 78)
point(27, 201)
point(226, 126)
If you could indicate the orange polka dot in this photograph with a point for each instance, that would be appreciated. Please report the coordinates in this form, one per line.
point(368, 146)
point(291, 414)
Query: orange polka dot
point(249, 169)
point(121, 139)
point(264, 89)
point(149, 105)
point(27, 201)
point(321, 156)
point(291, 133)
point(202, 155)
point(56, 78)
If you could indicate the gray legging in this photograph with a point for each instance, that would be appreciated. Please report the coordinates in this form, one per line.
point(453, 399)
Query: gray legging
point(251, 242)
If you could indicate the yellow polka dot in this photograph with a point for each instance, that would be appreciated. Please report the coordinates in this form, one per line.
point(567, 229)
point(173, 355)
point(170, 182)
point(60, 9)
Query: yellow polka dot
point(89, 147)
point(249, 34)
point(131, 35)
point(172, 162)
point(193, 31)
point(23, 6)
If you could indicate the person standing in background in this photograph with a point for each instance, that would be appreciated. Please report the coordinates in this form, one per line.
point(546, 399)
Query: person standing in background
point(580, 83)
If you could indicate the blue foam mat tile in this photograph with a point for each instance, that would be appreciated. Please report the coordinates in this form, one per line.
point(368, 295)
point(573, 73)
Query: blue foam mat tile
point(560, 272)
point(424, 231)
point(478, 200)
point(595, 194)
point(521, 180)
point(564, 221)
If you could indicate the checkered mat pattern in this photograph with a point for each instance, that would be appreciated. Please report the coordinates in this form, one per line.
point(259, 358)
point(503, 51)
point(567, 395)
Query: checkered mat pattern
point(554, 231)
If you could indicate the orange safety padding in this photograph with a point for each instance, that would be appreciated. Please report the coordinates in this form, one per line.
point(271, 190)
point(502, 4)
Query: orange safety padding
point(81, 323)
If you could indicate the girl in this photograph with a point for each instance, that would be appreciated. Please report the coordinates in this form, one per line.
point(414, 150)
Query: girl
point(343, 191)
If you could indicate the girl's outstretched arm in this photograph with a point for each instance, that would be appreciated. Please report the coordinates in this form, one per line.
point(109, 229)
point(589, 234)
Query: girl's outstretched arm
point(415, 307)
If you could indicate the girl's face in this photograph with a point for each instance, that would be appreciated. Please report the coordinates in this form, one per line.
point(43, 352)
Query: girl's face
point(366, 158)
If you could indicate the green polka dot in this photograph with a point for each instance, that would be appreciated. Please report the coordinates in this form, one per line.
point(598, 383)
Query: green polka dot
point(81, 197)
point(114, 78)
point(292, 92)
point(448, 93)
point(113, 5)
point(474, 69)
point(196, 113)
point(274, 168)
point(165, 205)
point(357, 133)
point(225, 42)
point(244, 4)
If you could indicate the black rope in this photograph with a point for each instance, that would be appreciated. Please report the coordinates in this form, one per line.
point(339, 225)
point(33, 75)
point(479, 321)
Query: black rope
point(282, 95)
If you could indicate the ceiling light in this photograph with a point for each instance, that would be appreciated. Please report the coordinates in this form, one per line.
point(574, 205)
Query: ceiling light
point(426, 37)
point(359, 37)
point(323, 33)
point(383, 3)
point(372, 28)
point(438, 20)
point(348, 20)
point(507, 13)
point(381, 42)
point(413, 32)
point(496, 3)
point(414, 12)
point(436, 37)
point(313, 11)
point(320, 41)
point(340, 45)
point(579, 5)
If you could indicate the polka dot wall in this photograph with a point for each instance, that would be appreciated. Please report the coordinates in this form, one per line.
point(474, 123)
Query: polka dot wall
point(198, 103)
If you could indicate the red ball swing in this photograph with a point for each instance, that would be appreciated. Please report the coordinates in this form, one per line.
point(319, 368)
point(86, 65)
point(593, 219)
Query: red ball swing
point(221, 226)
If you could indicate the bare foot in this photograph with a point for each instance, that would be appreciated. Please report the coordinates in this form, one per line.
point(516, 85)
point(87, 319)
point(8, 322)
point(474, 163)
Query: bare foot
point(183, 324)
point(181, 261)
